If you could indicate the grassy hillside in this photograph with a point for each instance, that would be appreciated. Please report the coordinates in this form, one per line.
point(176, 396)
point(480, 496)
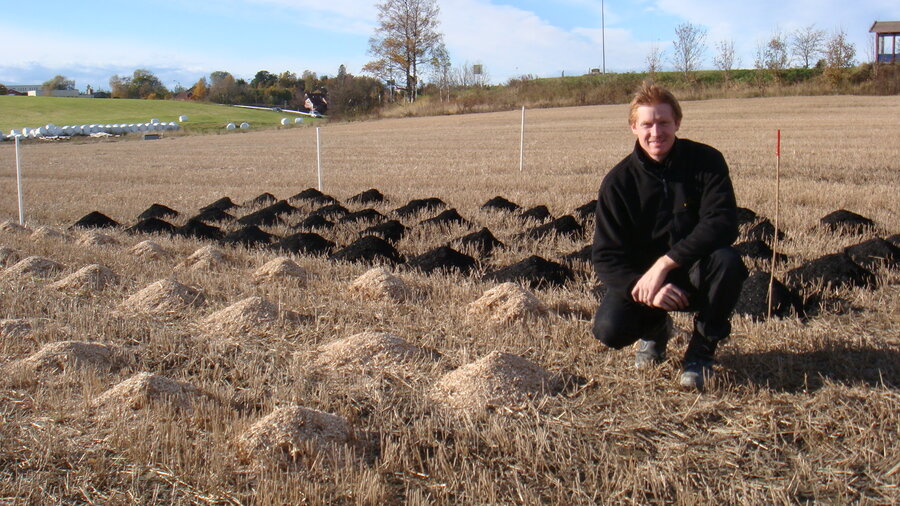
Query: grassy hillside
point(18, 112)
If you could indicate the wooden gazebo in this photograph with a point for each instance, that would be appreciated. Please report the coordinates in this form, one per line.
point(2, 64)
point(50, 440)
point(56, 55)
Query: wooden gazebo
point(887, 41)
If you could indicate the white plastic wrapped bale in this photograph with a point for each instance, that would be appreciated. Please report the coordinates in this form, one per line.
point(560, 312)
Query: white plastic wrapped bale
point(182, 118)
point(245, 126)
point(285, 122)
point(230, 126)
point(154, 121)
point(298, 120)
point(172, 126)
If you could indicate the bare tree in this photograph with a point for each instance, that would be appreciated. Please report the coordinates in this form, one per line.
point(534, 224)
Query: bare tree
point(441, 70)
point(689, 46)
point(654, 60)
point(776, 56)
point(806, 44)
point(725, 58)
point(405, 38)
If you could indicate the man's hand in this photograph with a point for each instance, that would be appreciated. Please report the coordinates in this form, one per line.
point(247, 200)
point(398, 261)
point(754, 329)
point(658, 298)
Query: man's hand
point(670, 298)
point(648, 287)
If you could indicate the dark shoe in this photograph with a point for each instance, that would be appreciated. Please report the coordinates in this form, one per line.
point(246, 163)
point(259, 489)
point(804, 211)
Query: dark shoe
point(698, 362)
point(653, 351)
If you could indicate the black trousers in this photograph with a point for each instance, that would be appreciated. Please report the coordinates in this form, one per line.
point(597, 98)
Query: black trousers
point(713, 285)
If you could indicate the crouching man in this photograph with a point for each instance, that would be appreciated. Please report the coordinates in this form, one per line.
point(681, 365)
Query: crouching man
point(666, 220)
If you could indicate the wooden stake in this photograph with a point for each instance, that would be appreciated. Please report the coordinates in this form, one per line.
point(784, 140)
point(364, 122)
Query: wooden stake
point(775, 238)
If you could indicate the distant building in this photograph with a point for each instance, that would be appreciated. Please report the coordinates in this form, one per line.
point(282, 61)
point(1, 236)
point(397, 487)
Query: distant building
point(37, 90)
point(887, 41)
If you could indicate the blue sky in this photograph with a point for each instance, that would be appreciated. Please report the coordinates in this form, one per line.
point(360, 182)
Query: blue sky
point(182, 41)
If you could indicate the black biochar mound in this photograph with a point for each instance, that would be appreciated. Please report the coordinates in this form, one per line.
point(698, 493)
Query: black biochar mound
point(213, 215)
point(447, 217)
point(537, 213)
point(200, 230)
point(894, 239)
point(314, 221)
point(582, 255)
point(363, 215)
point(158, 211)
point(369, 249)
point(874, 252)
point(562, 226)
point(535, 271)
point(152, 226)
point(331, 210)
point(836, 270)
point(263, 199)
point(263, 218)
point(281, 208)
point(499, 203)
point(314, 196)
point(391, 230)
point(754, 298)
point(843, 220)
point(587, 210)
point(745, 215)
point(443, 258)
point(308, 243)
point(370, 196)
point(249, 236)
point(763, 231)
point(482, 241)
point(757, 249)
point(418, 205)
point(95, 219)
point(223, 204)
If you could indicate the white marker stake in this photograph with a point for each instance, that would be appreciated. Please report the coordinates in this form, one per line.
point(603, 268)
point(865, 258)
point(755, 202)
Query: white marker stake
point(318, 159)
point(522, 143)
point(19, 184)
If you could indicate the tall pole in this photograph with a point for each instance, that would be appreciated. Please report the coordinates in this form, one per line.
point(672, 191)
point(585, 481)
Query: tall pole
point(318, 159)
point(775, 236)
point(19, 184)
point(522, 143)
point(603, 32)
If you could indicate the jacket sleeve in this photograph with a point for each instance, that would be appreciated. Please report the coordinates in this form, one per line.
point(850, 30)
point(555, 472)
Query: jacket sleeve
point(611, 251)
point(717, 221)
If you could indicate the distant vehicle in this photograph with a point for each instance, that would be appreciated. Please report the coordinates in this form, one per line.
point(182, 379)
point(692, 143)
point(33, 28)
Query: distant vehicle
point(316, 103)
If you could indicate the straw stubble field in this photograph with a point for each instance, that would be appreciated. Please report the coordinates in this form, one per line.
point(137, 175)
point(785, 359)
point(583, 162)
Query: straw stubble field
point(801, 409)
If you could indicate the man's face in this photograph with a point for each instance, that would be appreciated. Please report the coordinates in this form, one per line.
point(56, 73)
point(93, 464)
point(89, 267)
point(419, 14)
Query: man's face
point(655, 129)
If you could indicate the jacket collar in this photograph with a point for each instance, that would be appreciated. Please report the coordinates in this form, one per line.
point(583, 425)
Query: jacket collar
point(643, 160)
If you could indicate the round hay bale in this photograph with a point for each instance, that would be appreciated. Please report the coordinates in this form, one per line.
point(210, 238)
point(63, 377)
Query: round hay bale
point(13, 227)
point(205, 258)
point(298, 120)
point(370, 348)
point(149, 250)
point(499, 380)
point(182, 118)
point(8, 256)
point(230, 126)
point(165, 297)
point(253, 315)
point(14, 328)
point(288, 432)
point(281, 268)
point(95, 238)
point(45, 232)
point(90, 278)
point(379, 283)
point(285, 122)
point(34, 266)
point(144, 388)
point(64, 355)
point(245, 126)
point(507, 302)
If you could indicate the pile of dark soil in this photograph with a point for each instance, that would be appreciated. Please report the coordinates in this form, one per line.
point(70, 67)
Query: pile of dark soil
point(223, 204)
point(582, 255)
point(418, 205)
point(95, 219)
point(249, 236)
point(843, 220)
point(535, 271)
point(745, 215)
point(200, 230)
point(499, 203)
point(214, 215)
point(754, 299)
point(763, 231)
point(308, 243)
point(757, 249)
point(894, 239)
point(158, 211)
point(587, 210)
point(369, 249)
point(537, 213)
point(281, 208)
point(263, 199)
point(562, 226)
point(152, 226)
point(331, 210)
point(391, 230)
point(367, 197)
point(315, 196)
point(314, 221)
point(363, 215)
point(482, 241)
point(873, 252)
point(265, 217)
point(450, 216)
point(836, 270)
point(443, 258)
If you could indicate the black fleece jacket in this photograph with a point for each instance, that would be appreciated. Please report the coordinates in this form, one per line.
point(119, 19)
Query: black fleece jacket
point(683, 207)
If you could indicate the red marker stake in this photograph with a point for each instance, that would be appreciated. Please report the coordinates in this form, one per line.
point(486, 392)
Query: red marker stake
point(777, 199)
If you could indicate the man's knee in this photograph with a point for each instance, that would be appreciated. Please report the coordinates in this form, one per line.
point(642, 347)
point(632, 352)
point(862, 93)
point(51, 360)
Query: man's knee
point(729, 262)
point(608, 333)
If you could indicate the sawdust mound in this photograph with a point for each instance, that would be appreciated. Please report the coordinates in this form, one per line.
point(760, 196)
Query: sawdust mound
point(415, 206)
point(13, 227)
point(306, 243)
point(152, 226)
point(8, 256)
point(499, 203)
point(313, 222)
point(391, 231)
point(535, 271)
point(95, 219)
point(443, 259)
point(873, 252)
point(51, 233)
point(64, 355)
point(90, 278)
point(290, 432)
point(499, 380)
point(253, 315)
point(837, 269)
point(213, 215)
point(281, 268)
point(447, 217)
point(369, 196)
point(379, 283)
point(165, 297)
point(34, 266)
point(537, 213)
point(144, 388)
point(95, 238)
point(205, 258)
point(754, 298)
point(843, 220)
point(158, 211)
point(369, 249)
point(14, 328)
point(199, 230)
point(482, 241)
point(587, 210)
point(149, 250)
point(377, 349)
point(562, 226)
point(223, 204)
point(507, 302)
point(249, 236)
point(369, 215)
